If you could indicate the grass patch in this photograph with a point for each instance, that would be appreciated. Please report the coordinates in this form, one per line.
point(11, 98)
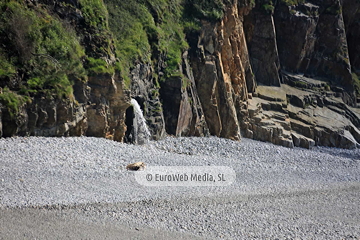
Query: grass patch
point(41, 48)
point(98, 66)
point(45, 51)
point(146, 29)
point(292, 2)
point(334, 9)
point(95, 14)
point(269, 8)
point(185, 83)
point(266, 6)
point(7, 69)
point(300, 84)
point(130, 22)
point(211, 10)
point(12, 101)
point(356, 82)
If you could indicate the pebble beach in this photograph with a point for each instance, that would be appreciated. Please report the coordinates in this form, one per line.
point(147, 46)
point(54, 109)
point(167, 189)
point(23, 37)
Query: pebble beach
point(278, 192)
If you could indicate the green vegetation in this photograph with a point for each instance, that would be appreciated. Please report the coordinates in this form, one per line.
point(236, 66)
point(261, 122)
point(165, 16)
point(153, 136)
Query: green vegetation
point(45, 55)
point(292, 12)
point(334, 9)
point(96, 28)
point(155, 93)
point(292, 2)
point(158, 109)
point(132, 26)
point(98, 66)
point(327, 87)
point(185, 83)
point(212, 10)
point(95, 13)
point(300, 84)
point(12, 101)
point(6, 68)
point(269, 8)
point(356, 82)
point(146, 29)
point(40, 47)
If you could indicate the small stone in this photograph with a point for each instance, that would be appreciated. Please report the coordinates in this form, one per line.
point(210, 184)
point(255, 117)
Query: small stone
point(136, 166)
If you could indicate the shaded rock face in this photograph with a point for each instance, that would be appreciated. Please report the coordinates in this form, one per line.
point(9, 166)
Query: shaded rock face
point(145, 92)
point(181, 105)
point(312, 40)
point(351, 15)
point(261, 38)
point(173, 107)
point(106, 107)
point(296, 40)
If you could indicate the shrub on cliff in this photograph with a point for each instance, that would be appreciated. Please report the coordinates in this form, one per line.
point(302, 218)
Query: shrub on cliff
point(145, 29)
point(292, 2)
point(12, 100)
point(212, 10)
point(40, 50)
point(356, 82)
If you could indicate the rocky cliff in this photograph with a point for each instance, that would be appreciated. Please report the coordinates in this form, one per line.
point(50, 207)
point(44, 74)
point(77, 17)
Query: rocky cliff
point(282, 71)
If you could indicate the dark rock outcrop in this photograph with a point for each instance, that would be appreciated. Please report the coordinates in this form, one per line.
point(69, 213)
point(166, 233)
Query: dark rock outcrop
point(181, 105)
point(351, 15)
point(312, 40)
point(145, 92)
point(262, 42)
point(295, 31)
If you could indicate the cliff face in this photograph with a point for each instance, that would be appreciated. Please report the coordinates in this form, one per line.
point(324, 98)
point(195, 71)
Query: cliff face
point(268, 70)
point(220, 74)
point(39, 39)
